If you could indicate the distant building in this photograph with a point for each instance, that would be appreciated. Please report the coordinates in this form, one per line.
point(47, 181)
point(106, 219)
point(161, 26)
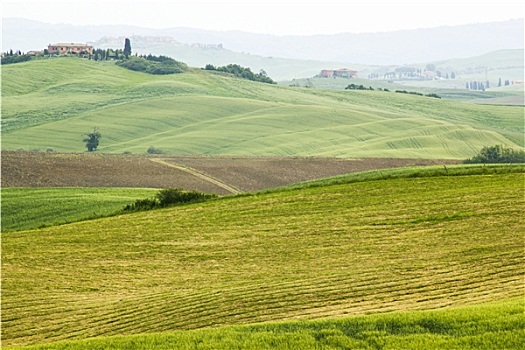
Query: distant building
point(34, 53)
point(63, 48)
point(429, 74)
point(338, 73)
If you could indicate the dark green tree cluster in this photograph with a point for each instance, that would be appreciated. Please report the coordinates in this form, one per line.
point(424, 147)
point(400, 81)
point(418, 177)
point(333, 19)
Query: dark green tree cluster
point(358, 87)
point(497, 154)
point(417, 93)
point(10, 59)
point(158, 65)
point(107, 54)
point(242, 72)
point(112, 54)
point(170, 197)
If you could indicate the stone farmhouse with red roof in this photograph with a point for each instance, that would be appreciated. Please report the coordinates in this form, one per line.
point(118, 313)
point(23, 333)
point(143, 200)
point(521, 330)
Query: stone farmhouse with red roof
point(73, 48)
point(338, 73)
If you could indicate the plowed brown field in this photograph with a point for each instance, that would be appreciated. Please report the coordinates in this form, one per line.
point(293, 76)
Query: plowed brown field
point(216, 174)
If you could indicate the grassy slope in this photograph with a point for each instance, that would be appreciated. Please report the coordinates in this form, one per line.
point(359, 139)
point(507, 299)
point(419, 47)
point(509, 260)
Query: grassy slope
point(348, 249)
point(31, 208)
point(28, 208)
point(51, 103)
point(487, 326)
point(277, 68)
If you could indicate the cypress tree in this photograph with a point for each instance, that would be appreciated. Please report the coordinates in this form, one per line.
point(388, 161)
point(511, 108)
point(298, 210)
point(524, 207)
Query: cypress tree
point(127, 48)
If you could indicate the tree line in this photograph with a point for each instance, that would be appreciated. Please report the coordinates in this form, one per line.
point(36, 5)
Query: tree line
point(362, 87)
point(242, 72)
point(15, 59)
point(413, 73)
point(109, 54)
point(497, 154)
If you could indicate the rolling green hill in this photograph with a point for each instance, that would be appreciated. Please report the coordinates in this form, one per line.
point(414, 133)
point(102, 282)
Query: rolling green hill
point(330, 251)
point(49, 104)
point(31, 208)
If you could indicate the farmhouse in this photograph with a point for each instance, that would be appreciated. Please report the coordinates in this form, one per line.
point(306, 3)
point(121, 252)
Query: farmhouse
point(63, 48)
point(338, 73)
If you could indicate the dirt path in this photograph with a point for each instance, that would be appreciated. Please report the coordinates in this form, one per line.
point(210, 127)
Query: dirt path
point(198, 174)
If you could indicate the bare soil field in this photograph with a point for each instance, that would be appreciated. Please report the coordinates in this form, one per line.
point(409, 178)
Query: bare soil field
point(213, 174)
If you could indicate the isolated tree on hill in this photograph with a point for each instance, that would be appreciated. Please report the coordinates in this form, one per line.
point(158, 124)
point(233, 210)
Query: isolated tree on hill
point(92, 140)
point(127, 48)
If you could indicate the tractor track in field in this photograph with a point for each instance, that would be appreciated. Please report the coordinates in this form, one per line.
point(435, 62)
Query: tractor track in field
point(206, 173)
point(198, 174)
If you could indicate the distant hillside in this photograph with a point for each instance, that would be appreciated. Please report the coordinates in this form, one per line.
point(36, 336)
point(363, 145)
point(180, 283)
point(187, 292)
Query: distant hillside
point(387, 48)
point(50, 103)
point(494, 67)
point(199, 55)
point(505, 64)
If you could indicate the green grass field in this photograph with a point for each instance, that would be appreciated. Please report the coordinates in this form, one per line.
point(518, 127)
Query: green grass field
point(29, 208)
point(49, 104)
point(487, 326)
point(333, 251)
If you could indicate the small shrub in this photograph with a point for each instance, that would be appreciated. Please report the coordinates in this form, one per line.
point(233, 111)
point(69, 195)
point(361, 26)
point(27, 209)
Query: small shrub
point(154, 150)
point(169, 197)
point(141, 204)
point(175, 196)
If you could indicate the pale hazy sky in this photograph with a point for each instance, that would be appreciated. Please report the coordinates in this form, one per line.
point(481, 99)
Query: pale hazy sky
point(280, 17)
